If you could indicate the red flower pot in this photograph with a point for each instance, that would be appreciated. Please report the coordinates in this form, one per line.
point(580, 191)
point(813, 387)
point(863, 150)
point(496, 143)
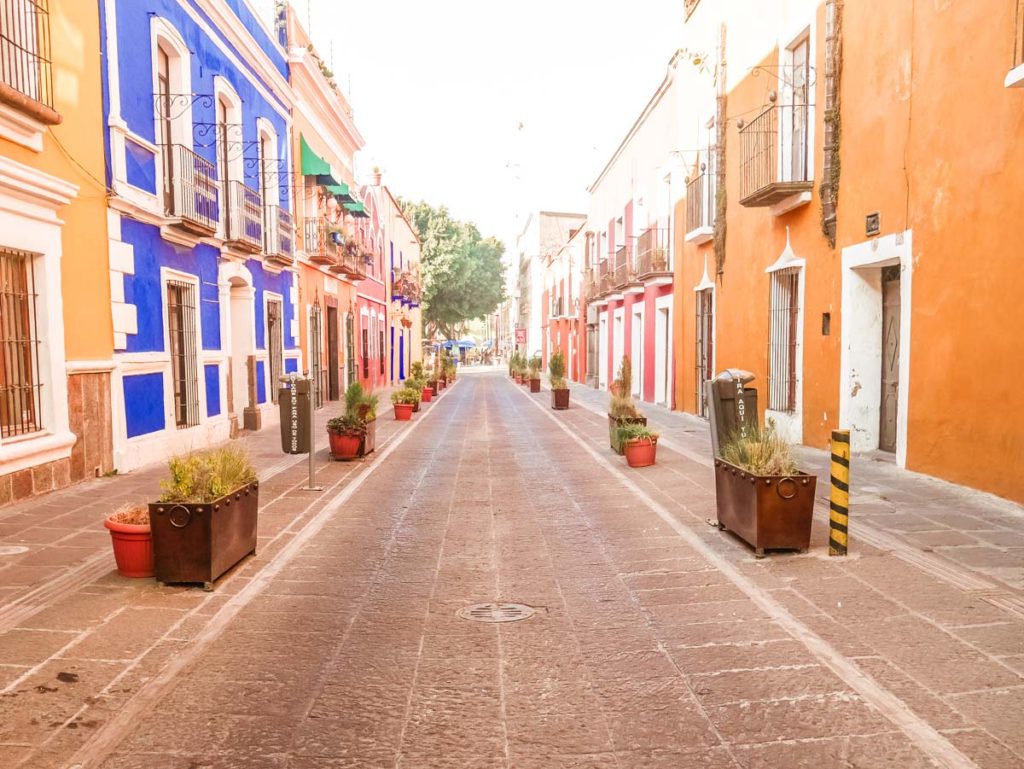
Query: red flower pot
point(640, 452)
point(344, 445)
point(427, 394)
point(403, 412)
point(133, 548)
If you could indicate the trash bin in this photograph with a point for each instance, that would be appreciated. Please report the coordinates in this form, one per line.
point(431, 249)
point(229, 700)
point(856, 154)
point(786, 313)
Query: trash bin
point(294, 402)
point(732, 407)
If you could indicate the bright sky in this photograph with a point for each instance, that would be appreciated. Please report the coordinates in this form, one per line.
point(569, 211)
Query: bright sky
point(440, 90)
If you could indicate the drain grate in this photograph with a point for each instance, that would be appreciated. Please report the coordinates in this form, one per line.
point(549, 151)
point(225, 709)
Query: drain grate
point(496, 612)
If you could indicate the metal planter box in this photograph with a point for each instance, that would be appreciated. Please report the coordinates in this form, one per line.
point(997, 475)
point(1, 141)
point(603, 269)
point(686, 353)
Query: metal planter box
point(613, 429)
point(535, 385)
point(560, 399)
point(369, 443)
point(767, 512)
point(199, 542)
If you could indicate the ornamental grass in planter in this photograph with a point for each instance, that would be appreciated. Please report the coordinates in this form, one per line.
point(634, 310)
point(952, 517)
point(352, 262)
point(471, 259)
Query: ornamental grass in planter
point(559, 387)
point(363, 403)
point(132, 539)
point(534, 374)
point(762, 496)
point(404, 400)
point(205, 521)
point(622, 410)
point(639, 444)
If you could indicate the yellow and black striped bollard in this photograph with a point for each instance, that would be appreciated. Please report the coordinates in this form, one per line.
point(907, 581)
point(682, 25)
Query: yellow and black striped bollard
point(839, 514)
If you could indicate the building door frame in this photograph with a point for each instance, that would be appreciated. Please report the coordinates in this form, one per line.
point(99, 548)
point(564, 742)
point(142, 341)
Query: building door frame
point(663, 350)
point(860, 380)
point(602, 351)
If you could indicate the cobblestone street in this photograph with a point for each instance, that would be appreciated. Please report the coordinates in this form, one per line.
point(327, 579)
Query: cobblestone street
point(655, 640)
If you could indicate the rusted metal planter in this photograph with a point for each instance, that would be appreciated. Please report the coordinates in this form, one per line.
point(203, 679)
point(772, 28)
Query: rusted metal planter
point(613, 429)
point(560, 399)
point(199, 542)
point(369, 442)
point(535, 385)
point(766, 512)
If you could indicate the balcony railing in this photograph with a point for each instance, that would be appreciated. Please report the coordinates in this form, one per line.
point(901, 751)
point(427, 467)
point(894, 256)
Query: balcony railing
point(652, 253)
point(278, 235)
point(700, 204)
point(26, 80)
point(624, 272)
point(774, 155)
point(319, 241)
point(350, 262)
point(190, 187)
point(605, 274)
point(558, 307)
point(245, 217)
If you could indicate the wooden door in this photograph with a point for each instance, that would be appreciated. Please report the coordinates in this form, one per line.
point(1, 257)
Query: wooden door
point(890, 357)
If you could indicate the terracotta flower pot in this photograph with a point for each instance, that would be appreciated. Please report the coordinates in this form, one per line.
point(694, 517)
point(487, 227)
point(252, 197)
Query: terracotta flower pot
point(133, 548)
point(344, 445)
point(640, 452)
point(403, 412)
point(427, 394)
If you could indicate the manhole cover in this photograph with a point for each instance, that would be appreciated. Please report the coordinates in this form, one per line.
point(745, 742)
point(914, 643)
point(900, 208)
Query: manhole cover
point(12, 550)
point(496, 612)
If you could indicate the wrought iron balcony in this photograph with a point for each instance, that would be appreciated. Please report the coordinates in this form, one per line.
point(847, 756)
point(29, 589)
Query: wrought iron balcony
point(652, 253)
point(320, 240)
point(245, 217)
point(624, 272)
point(191, 190)
point(351, 263)
point(278, 236)
point(774, 155)
point(700, 206)
point(605, 274)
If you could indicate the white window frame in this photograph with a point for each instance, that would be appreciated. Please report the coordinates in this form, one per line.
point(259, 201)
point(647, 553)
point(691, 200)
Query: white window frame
point(790, 424)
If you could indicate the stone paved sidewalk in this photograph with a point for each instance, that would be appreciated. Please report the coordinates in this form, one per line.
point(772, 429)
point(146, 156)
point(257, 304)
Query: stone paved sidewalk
point(657, 641)
point(975, 532)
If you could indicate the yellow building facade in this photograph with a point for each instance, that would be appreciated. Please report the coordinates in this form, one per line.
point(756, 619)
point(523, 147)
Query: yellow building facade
point(55, 349)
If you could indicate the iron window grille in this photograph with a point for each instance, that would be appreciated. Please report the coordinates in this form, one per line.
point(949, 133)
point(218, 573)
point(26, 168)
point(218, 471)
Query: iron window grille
point(181, 328)
point(20, 385)
point(25, 49)
point(784, 335)
point(275, 340)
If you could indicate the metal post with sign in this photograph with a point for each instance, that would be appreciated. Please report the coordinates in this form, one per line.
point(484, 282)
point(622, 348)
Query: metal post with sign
point(296, 407)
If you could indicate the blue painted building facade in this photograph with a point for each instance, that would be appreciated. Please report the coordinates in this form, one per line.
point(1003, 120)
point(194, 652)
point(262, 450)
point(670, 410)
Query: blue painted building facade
point(203, 280)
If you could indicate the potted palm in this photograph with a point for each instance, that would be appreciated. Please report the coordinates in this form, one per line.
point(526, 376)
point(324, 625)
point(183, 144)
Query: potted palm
point(362, 403)
point(639, 444)
point(762, 496)
point(559, 387)
point(132, 538)
point(345, 435)
point(419, 386)
point(622, 410)
point(205, 520)
point(404, 400)
point(534, 374)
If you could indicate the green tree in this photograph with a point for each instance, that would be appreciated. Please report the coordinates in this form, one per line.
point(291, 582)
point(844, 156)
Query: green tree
point(463, 275)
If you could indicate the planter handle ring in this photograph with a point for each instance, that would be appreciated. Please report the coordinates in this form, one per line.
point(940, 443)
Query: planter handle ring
point(778, 488)
point(179, 516)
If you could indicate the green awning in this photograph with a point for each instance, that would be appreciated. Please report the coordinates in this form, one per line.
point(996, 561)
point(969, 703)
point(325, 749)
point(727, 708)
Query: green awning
point(313, 164)
point(357, 210)
point(340, 191)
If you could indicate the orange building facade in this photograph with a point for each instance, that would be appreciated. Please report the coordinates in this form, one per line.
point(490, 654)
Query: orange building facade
point(331, 222)
point(852, 226)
